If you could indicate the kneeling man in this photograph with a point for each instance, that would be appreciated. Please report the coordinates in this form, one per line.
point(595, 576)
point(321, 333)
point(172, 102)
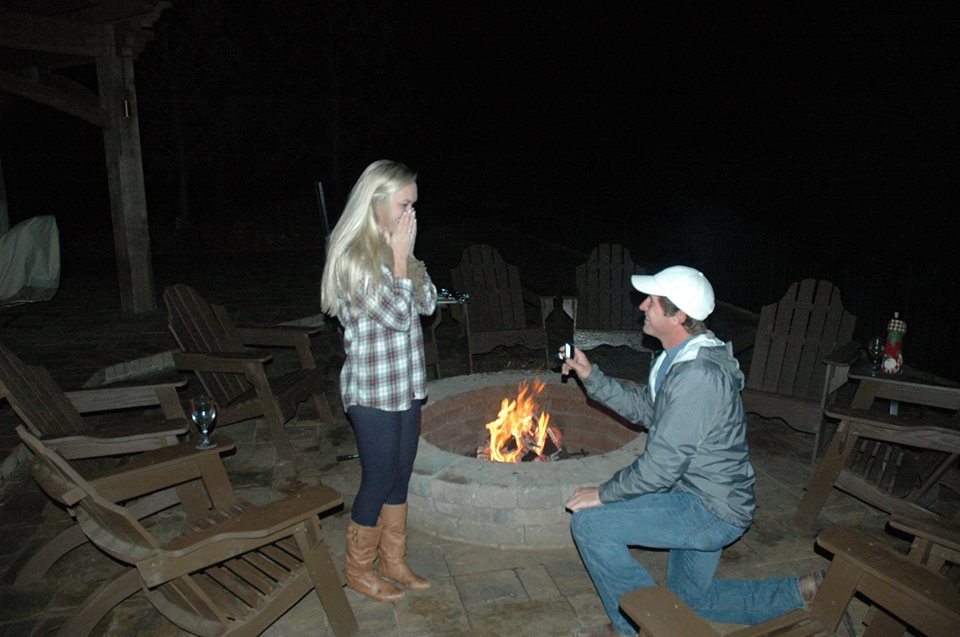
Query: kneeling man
point(691, 490)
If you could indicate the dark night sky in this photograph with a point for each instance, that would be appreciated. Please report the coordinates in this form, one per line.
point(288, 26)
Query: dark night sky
point(826, 128)
point(821, 136)
point(789, 116)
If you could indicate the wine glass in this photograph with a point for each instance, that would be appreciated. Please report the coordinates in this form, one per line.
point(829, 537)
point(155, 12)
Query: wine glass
point(875, 353)
point(203, 412)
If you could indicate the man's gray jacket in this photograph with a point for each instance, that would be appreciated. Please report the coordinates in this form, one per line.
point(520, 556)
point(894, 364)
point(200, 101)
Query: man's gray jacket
point(696, 430)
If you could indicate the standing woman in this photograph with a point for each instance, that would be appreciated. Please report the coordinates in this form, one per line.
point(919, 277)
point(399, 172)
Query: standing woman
point(375, 286)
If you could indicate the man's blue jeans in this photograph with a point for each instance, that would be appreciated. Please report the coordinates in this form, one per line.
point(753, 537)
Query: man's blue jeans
point(680, 522)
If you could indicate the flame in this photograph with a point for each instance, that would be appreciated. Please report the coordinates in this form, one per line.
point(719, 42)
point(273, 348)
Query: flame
point(515, 431)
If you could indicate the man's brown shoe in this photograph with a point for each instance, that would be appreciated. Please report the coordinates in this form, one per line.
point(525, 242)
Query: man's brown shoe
point(809, 585)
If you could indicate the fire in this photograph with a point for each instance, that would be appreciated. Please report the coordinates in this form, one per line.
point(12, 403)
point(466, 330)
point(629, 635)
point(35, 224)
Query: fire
point(518, 430)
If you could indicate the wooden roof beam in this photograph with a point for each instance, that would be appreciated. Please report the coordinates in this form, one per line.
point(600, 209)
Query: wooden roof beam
point(59, 93)
point(17, 61)
point(52, 35)
point(143, 13)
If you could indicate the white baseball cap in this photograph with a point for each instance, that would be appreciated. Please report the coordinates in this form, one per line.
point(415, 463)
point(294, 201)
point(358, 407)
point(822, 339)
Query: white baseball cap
point(687, 288)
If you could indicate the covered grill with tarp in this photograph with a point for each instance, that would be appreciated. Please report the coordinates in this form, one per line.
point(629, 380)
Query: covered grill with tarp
point(30, 261)
point(41, 38)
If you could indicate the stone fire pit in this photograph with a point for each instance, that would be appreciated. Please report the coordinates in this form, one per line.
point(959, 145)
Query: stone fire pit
point(455, 496)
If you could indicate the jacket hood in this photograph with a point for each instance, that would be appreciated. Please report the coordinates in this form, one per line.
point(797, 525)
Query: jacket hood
point(708, 347)
point(722, 355)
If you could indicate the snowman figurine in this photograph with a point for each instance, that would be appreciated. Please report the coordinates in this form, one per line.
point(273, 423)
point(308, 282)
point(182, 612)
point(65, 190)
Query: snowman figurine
point(892, 351)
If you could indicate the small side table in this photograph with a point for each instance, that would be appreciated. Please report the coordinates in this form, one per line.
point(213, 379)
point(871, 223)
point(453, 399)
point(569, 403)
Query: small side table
point(861, 458)
point(911, 386)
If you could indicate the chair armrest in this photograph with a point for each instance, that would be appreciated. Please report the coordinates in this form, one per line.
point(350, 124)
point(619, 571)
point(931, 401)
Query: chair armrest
point(122, 397)
point(235, 363)
point(234, 536)
point(281, 336)
point(843, 356)
point(159, 469)
point(936, 531)
point(876, 418)
point(75, 447)
point(838, 364)
point(902, 430)
point(660, 613)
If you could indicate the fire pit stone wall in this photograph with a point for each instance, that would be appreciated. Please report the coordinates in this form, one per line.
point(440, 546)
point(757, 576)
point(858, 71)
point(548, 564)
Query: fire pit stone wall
point(458, 497)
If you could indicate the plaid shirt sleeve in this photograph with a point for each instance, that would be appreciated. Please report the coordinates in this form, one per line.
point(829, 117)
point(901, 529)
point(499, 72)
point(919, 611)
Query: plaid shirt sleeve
point(428, 304)
point(383, 340)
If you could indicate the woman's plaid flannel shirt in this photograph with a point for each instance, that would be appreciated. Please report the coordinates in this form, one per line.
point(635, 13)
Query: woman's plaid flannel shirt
point(383, 341)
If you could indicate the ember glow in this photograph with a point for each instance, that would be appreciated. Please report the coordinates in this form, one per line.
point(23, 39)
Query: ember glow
point(519, 430)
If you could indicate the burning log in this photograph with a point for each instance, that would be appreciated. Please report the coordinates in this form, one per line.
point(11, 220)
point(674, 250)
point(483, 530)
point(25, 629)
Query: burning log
point(528, 451)
point(518, 436)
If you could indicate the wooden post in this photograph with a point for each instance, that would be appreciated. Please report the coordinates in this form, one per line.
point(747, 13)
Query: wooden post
point(4, 210)
point(128, 205)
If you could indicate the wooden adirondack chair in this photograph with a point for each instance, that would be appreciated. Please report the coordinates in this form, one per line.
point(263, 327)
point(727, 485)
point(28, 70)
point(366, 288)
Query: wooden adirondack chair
point(215, 350)
point(149, 483)
point(889, 462)
point(431, 352)
point(801, 355)
point(605, 310)
point(495, 315)
point(55, 416)
point(935, 544)
point(235, 573)
point(860, 565)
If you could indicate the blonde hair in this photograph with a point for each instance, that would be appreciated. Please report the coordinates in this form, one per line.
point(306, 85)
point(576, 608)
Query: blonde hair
point(353, 248)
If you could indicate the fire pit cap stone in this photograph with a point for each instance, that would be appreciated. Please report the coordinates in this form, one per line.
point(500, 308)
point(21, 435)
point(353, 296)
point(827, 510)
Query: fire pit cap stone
point(442, 388)
point(458, 497)
point(432, 460)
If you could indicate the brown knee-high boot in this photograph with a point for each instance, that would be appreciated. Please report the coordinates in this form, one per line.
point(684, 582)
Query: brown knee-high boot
point(362, 544)
point(393, 547)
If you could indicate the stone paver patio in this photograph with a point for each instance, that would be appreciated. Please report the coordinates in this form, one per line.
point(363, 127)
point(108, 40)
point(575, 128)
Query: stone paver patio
point(477, 591)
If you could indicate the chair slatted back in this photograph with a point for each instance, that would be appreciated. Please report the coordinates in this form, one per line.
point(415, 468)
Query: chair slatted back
point(793, 337)
point(901, 461)
point(936, 543)
point(109, 526)
point(37, 399)
point(896, 469)
point(604, 299)
point(199, 327)
point(112, 528)
point(496, 297)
